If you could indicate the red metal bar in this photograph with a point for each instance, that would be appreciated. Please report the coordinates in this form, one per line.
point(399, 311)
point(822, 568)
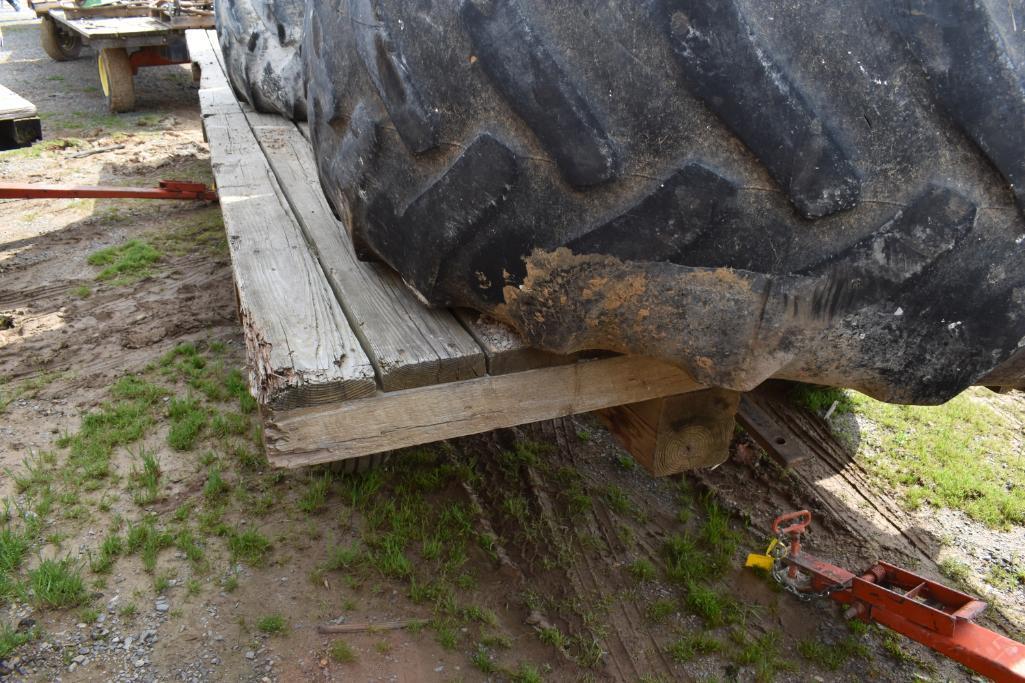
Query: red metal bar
point(149, 56)
point(935, 615)
point(168, 189)
point(978, 648)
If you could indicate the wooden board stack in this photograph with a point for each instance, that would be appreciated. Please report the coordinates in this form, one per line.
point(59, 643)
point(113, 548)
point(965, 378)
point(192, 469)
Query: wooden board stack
point(344, 360)
point(19, 122)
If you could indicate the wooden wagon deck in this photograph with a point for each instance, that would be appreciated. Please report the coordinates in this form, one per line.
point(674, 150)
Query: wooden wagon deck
point(345, 361)
point(129, 28)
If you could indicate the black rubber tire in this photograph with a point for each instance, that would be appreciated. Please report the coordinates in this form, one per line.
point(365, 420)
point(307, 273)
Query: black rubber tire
point(116, 79)
point(261, 42)
point(822, 191)
point(58, 44)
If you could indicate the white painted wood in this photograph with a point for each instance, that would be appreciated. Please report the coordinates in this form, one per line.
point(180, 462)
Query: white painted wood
point(398, 419)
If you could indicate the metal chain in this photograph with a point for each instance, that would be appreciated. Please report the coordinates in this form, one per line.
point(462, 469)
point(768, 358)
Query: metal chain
point(779, 573)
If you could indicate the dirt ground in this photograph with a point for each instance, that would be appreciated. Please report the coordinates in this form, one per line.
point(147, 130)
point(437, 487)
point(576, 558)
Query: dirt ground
point(538, 553)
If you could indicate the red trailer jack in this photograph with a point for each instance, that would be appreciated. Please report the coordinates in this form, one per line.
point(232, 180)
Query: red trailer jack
point(932, 614)
point(168, 189)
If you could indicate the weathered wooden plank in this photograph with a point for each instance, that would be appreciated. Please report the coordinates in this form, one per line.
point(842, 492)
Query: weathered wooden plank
point(410, 344)
point(390, 420)
point(505, 350)
point(302, 349)
point(215, 48)
point(14, 106)
point(204, 51)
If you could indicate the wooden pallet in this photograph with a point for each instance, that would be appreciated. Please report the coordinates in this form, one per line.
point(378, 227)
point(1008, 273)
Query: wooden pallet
point(19, 122)
point(344, 360)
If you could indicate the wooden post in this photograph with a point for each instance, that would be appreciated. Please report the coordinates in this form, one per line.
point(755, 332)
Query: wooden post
point(676, 433)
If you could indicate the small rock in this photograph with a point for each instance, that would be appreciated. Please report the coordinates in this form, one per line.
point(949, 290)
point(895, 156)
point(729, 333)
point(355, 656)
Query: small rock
point(162, 607)
point(79, 659)
point(250, 654)
point(139, 663)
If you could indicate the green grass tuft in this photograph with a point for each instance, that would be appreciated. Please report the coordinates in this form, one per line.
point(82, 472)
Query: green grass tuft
point(188, 419)
point(11, 639)
point(114, 424)
point(249, 546)
point(215, 486)
point(125, 263)
point(110, 549)
point(693, 645)
point(642, 570)
point(131, 387)
point(717, 609)
point(147, 480)
point(761, 653)
point(832, 656)
point(315, 495)
point(483, 661)
point(342, 652)
point(13, 546)
point(819, 399)
point(343, 558)
point(660, 610)
point(272, 623)
point(57, 583)
point(146, 539)
point(525, 673)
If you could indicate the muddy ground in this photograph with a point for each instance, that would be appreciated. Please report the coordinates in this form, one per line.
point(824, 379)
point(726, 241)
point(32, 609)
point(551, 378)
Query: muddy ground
point(538, 553)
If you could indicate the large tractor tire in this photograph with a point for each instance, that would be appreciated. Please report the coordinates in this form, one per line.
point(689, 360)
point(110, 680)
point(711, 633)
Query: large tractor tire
point(261, 40)
point(829, 192)
point(61, 45)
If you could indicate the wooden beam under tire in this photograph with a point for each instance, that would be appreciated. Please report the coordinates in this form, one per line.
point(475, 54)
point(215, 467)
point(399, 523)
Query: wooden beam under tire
point(671, 434)
point(397, 419)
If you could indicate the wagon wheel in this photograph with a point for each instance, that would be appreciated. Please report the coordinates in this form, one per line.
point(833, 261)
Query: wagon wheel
point(61, 45)
point(116, 79)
